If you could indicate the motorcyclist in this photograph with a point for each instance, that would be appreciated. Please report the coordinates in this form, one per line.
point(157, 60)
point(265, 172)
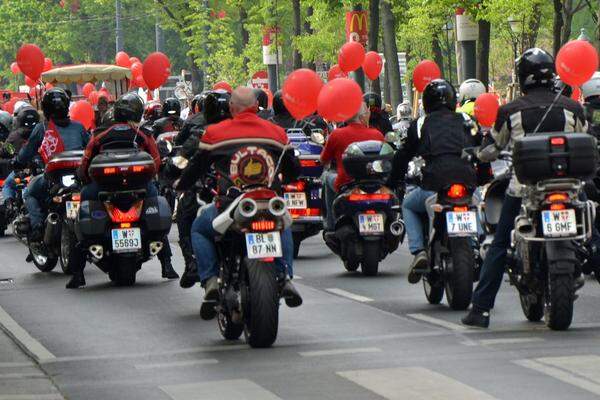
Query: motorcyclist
point(6, 124)
point(356, 130)
point(152, 112)
point(468, 92)
point(403, 117)
point(282, 117)
point(263, 104)
point(245, 124)
point(59, 133)
point(539, 110)
point(591, 95)
point(439, 138)
point(209, 108)
point(128, 111)
point(379, 119)
point(171, 120)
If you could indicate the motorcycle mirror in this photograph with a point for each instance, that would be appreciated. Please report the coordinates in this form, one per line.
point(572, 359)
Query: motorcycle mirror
point(317, 136)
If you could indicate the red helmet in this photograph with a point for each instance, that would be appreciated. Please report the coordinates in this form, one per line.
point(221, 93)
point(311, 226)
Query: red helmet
point(152, 111)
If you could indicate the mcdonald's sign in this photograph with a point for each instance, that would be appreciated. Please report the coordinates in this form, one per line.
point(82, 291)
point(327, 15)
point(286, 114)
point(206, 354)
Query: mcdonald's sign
point(357, 29)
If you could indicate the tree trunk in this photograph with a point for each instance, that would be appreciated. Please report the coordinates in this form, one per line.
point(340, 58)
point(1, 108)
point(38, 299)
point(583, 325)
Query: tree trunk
point(374, 37)
point(297, 57)
point(308, 29)
point(534, 28)
point(483, 52)
point(197, 76)
point(359, 75)
point(386, 84)
point(391, 53)
point(557, 28)
point(438, 57)
point(568, 18)
point(245, 33)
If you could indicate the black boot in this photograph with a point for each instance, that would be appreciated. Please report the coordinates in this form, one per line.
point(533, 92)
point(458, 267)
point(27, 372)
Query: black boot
point(418, 267)
point(211, 297)
point(290, 294)
point(77, 280)
point(167, 270)
point(190, 275)
point(477, 318)
point(77, 265)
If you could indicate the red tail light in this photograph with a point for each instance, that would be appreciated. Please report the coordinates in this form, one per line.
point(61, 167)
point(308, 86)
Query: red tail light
point(263, 225)
point(76, 197)
point(557, 206)
point(109, 171)
point(457, 191)
point(131, 215)
point(309, 163)
point(557, 141)
point(557, 197)
point(1, 182)
point(461, 209)
point(369, 197)
point(295, 187)
point(305, 212)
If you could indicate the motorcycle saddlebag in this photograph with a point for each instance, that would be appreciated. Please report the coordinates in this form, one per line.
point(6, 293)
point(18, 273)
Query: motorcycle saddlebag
point(122, 170)
point(93, 220)
point(552, 156)
point(157, 215)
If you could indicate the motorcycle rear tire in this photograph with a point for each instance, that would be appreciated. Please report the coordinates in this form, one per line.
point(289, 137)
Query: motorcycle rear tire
point(351, 265)
point(229, 329)
point(433, 292)
point(261, 313)
point(68, 247)
point(559, 297)
point(370, 262)
point(43, 262)
point(459, 283)
point(532, 311)
point(124, 272)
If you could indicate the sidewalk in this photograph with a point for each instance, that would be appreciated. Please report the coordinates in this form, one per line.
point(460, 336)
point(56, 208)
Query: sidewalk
point(20, 376)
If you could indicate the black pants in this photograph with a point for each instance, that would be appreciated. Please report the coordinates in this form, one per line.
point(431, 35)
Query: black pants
point(186, 213)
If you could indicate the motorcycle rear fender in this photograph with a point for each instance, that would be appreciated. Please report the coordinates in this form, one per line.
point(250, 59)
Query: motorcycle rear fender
point(93, 220)
point(561, 257)
point(157, 215)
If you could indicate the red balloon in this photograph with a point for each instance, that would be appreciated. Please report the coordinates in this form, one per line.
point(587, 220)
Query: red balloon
point(137, 69)
point(122, 60)
point(351, 56)
point(576, 62)
point(335, 72)
point(87, 89)
point(300, 92)
point(372, 65)
point(93, 97)
point(133, 60)
point(138, 81)
point(14, 67)
point(31, 60)
point(83, 112)
point(103, 92)
point(223, 86)
point(47, 64)
point(425, 72)
point(339, 100)
point(486, 109)
point(156, 70)
point(30, 82)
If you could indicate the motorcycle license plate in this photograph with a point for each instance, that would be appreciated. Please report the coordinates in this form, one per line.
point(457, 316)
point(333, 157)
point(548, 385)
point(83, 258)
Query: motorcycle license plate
point(461, 223)
point(126, 240)
point(370, 223)
point(295, 201)
point(263, 245)
point(559, 223)
point(71, 209)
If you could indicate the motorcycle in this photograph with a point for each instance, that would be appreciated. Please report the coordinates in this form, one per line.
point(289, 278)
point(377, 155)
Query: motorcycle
point(303, 197)
point(123, 229)
point(368, 226)
point(554, 224)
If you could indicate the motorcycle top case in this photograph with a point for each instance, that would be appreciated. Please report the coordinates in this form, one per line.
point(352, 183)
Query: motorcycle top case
point(368, 159)
point(552, 156)
point(122, 169)
point(65, 163)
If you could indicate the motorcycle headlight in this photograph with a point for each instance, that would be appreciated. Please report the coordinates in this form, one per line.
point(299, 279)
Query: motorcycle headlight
point(180, 162)
point(68, 180)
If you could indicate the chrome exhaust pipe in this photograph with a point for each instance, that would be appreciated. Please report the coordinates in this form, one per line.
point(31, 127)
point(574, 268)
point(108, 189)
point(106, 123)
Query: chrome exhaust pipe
point(397, 228)
point(52, 230)
point(155, 248)
point(277, 206)
point(97, 251)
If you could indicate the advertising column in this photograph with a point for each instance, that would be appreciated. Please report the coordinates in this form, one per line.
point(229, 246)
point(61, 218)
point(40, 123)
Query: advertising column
point(272, 54)
point(467, 33)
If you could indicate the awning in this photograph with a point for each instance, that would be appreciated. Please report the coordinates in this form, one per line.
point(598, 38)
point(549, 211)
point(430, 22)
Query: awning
point(86, 73)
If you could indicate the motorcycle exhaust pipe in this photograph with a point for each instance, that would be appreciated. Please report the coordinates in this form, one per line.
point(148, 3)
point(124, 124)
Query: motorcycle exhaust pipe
point(97, 251)
point(155, 248)
point(397, 228)
point(52, 230)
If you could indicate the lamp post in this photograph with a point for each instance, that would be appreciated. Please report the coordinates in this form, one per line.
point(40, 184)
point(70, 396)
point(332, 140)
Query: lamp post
point(449, 27)
point(515, 29)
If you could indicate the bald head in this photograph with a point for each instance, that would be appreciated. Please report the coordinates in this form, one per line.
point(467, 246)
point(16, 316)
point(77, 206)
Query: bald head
point(242, 99)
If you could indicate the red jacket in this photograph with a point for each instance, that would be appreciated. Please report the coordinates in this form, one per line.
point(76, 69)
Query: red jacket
point(244, 125)
point(117, 132)
point(339, 140)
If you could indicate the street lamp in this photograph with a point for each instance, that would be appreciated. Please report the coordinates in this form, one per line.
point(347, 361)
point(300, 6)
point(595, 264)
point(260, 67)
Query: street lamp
point(584, 36)
point(448, 27)
point(515, 30)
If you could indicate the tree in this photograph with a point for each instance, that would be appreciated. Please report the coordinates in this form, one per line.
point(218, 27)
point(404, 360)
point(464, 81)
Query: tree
point(297, 61)
point(391, 53)
point(374, 37)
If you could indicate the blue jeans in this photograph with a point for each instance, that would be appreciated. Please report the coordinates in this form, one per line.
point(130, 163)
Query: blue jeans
point(329, 195)
point(203, 242)
point(413, 208)
point(494, 264)
point(9, 189)
point(35, 197)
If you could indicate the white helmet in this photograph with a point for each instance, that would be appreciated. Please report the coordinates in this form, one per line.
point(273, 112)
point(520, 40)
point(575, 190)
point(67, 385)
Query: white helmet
point(6, 120)
point(18, 105)
point(470, 90)
point(403, 111)
point(591, 87)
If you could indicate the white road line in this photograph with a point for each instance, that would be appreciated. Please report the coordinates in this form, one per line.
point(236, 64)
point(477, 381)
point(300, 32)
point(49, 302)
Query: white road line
point(415, 383)
point(16, 364)
point(492, 342)
point(26, 375)
point(31, 346)
point(348, 295)
point(439, 322)
point(174, 364)
point(562, 375)
point(240, 389)
point(51, 396)
point(298, 277)
point(335, 352)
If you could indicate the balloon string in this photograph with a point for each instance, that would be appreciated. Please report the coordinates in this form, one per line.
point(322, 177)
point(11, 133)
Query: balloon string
point(548, 110)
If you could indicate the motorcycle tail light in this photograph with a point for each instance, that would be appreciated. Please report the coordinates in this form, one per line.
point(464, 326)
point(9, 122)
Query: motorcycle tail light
point(557, 206)
point(76, 197)
point(109, 170)
point(298, 186)
point(305, 212)
point(383, 194)
point(263, 225)
point(557, 141)
point(309, 163)
point(131, 215)
point(457, 191)
point(557, 197)
point(461, 209)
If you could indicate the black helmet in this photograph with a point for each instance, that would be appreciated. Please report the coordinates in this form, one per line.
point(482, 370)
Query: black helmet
point(216, 106)
point(171, 107)
point(535, 69)
point(437, 94)
point(278, 106)
point(55, 104)
point(128, 108)
point(198, 102)
point(27, 117)
point(373, 101)
point(262, 99)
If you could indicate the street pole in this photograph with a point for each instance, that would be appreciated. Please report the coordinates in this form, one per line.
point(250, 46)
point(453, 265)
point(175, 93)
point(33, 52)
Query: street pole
point(158, 33)
point(467, 33)
point(118, 29)
point(359, 75)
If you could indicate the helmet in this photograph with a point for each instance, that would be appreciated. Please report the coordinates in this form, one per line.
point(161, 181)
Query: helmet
point(18, 105)
point(278, 105)
point(592, 87)
point(55, 104)
point(535, 69)
point(216, 106)
point(128, 108)
point(561, 87)
point(437, 94)
point(470, 90)
point(373, 101)
point(171, 107)
point(198, 102)
point(6, 120)
point(404, 111)
point(28, 117)
point(152, 111)
point(262, 99)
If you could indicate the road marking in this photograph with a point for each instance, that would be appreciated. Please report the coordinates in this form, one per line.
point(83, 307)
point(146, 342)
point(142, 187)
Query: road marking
point(174, 364)
point(492, 342)
point(348, 295)
point(31, 346)
point(16, 364)
point(240, 389)
point(55, 396)
point(298, 277)
point(439, 322)
point(415, 383)
point(335, 352)
point(580, 371)
point(26, 375)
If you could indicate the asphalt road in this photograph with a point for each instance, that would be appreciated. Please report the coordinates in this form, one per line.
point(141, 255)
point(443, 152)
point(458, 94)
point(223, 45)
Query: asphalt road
point(355, 338)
